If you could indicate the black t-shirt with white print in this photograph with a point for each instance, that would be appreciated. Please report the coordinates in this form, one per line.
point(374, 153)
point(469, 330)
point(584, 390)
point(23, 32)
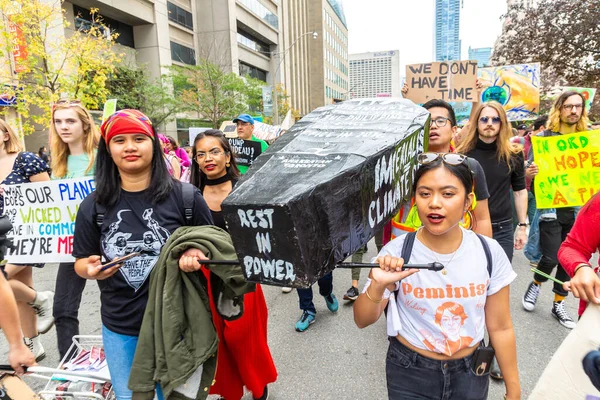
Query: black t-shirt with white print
point(134, 224)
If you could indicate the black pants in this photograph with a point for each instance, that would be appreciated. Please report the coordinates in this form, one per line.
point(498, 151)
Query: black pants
point(552, 234)
point(504, 234)
point(67, 298)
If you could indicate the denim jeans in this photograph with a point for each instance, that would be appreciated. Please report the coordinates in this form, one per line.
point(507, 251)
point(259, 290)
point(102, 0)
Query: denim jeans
point(504, 234)
point(119, 350)
point(67, 298)
point(552, 234)
point(305, 296)
point(411, 376)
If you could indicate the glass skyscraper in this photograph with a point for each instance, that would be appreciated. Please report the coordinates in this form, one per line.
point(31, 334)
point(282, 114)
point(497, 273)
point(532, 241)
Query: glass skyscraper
point(447, 27)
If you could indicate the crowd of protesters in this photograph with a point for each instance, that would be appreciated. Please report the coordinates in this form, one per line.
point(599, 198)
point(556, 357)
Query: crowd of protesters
point(473, 206)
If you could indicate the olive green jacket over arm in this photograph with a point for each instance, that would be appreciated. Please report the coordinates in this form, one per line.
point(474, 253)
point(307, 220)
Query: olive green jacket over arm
point(177, 336)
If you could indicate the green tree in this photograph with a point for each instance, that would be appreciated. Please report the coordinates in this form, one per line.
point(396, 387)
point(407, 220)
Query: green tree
point(211, 93)
point(283, 105)
point(56, 63)
point(562, 35)
point(133, 89)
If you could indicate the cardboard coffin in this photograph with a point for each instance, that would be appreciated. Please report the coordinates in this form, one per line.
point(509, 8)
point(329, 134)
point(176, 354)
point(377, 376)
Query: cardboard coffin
point(322, 190)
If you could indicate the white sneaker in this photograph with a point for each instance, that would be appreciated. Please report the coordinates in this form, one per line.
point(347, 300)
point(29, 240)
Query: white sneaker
point(35, 346)
point(286, 289)
point(43, 306)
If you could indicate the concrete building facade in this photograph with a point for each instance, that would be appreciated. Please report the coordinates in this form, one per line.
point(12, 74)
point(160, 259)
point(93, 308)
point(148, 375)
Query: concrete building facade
point(447, 28)
point(375, 74)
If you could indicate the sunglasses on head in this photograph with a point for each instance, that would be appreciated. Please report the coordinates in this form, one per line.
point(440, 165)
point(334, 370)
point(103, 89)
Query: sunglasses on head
point(495, 120)
point(447, 158)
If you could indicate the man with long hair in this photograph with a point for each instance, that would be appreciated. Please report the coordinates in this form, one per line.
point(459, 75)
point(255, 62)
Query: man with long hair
point(568, 115)
point(487, 139)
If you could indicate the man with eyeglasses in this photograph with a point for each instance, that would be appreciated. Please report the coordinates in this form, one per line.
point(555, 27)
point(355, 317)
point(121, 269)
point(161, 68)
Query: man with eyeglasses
point(245, 130)
point(568, 115)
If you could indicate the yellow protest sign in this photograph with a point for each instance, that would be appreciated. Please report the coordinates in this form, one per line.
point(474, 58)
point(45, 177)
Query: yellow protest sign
point(569, 169)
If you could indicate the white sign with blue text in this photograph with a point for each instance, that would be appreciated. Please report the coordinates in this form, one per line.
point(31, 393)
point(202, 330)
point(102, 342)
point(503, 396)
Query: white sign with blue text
point(43, 217)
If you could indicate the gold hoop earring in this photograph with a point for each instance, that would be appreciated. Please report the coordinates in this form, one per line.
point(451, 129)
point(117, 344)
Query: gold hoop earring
point(227, 165)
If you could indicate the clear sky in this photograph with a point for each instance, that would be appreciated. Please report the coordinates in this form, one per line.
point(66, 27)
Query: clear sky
point(408, 26)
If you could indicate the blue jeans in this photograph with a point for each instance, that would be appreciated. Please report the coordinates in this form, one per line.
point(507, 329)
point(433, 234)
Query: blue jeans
point(119, 350)
point(504, 234)
point(305, 296)
point(411, 376)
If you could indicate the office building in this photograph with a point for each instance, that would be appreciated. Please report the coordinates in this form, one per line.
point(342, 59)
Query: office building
point(316, 68)
point(482, 55)
point(375, 74)
point(155, 34)
point(447, 28)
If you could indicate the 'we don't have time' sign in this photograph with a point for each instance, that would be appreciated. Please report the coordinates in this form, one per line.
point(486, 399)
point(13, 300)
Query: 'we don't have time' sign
point(43, 217)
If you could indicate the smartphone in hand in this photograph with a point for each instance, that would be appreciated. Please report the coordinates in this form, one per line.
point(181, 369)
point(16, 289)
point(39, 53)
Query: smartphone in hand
point(119, 260)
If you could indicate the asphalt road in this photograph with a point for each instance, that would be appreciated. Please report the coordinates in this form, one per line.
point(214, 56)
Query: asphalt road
point(336, 360)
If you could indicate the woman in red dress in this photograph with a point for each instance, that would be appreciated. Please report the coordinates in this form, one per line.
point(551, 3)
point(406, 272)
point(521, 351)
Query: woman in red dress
point(244, 355)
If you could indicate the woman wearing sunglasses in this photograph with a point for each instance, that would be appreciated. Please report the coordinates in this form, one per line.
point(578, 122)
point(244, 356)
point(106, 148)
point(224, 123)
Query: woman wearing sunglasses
point(74, 142)
point(35, 308)
point(244, 358)
point(436, 321)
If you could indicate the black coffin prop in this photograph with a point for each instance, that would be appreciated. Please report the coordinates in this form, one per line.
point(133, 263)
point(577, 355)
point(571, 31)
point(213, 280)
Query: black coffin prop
point(324, 188)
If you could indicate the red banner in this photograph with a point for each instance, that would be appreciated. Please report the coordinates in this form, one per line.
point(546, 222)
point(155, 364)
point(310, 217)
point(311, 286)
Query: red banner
point(19, 47)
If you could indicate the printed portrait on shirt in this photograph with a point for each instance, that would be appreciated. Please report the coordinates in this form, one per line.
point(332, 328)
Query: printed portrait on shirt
point(450, 317)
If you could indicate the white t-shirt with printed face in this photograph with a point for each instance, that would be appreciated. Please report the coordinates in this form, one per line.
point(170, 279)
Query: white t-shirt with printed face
point(444, 313)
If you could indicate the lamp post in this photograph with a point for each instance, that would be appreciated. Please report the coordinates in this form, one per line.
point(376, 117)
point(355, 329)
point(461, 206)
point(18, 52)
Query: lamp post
point(282, 54)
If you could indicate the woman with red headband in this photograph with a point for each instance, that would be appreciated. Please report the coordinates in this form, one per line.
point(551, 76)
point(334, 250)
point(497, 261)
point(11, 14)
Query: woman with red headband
point(141, 206)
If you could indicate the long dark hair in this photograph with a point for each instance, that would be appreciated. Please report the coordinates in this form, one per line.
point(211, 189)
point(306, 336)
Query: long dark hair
point(197, 177)
point(108, 179)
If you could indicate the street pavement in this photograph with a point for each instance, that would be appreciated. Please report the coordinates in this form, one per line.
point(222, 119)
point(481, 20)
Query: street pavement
point(334, 359)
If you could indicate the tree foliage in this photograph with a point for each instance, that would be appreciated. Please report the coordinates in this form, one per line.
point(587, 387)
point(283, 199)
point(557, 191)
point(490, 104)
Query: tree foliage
point(60, 61)
point(283, 105)
point(562, 35)
point(210, 92)
point(133, 89)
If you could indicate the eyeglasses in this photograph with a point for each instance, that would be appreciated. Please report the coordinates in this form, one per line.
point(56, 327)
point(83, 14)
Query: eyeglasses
point(570, 107)
point(67, 101)
point(495, 120)
point(448, 158)
point(439, 121)
point(213, 153)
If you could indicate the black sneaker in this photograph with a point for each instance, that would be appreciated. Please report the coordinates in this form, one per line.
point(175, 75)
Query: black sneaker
point(264, 396)
point(559, 312)
point(351, 294)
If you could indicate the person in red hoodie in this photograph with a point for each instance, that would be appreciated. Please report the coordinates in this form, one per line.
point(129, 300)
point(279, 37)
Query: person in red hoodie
point(576, 251)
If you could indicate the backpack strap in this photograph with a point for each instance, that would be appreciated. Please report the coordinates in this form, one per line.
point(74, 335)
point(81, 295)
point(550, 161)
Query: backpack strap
point(488, 253)
point(99, 211)
point(187, 192)
point(407, 246)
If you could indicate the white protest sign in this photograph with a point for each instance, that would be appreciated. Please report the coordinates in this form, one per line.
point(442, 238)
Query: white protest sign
point(43, 217)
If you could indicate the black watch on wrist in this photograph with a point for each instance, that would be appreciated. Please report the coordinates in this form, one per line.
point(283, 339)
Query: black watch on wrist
point(523, 224)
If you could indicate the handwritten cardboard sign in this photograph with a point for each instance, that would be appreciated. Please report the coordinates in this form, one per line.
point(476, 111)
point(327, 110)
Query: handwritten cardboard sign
point(448, 80)
point(323, 189)
point(569, 169)
point(43, 217)
point(245, 151)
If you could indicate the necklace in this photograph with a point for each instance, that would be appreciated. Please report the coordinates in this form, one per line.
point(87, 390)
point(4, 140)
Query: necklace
point(447, 263)
point(218, 181)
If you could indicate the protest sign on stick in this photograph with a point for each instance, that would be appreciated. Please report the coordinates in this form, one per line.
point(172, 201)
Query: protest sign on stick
point(448, 80)
point(43, 217)
point(323, 189)
point(245, 151)
point(569, 169)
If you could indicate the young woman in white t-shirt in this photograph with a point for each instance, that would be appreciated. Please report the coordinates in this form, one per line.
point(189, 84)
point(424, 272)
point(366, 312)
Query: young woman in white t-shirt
point(436, 320)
